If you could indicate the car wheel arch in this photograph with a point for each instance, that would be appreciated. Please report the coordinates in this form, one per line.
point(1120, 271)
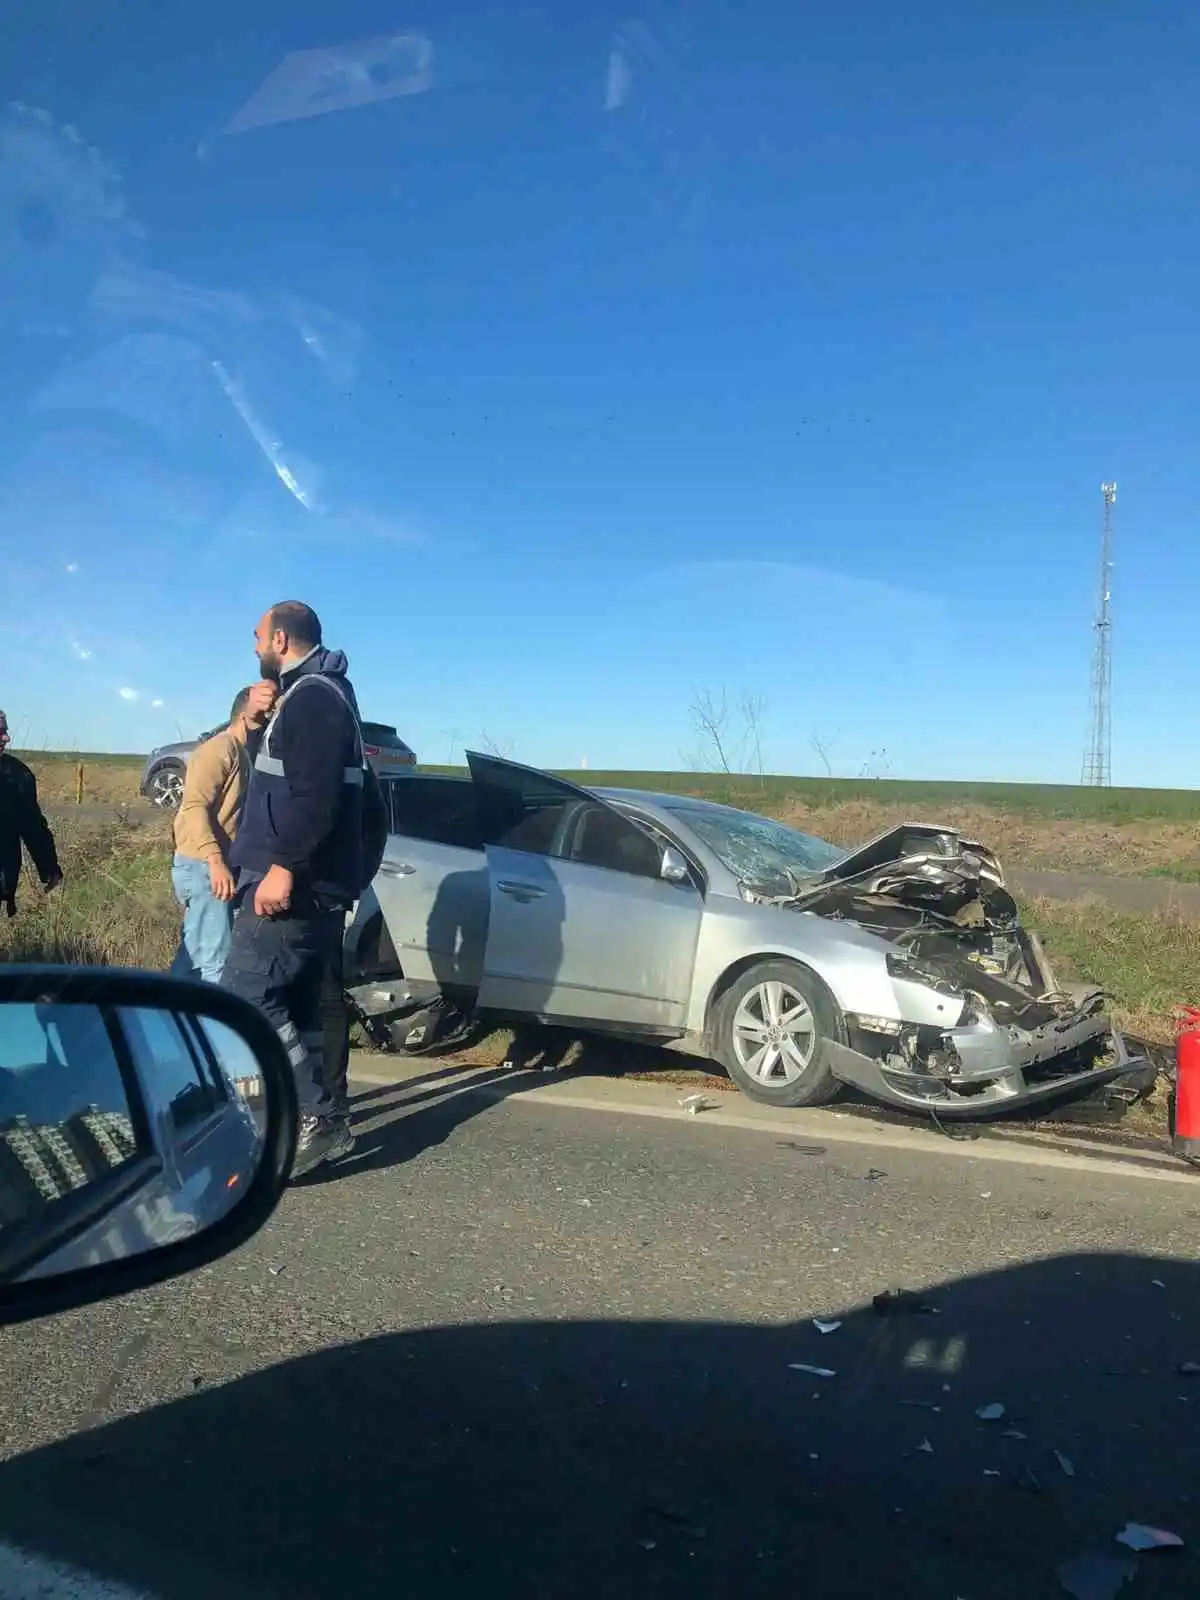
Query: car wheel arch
point(738, 969)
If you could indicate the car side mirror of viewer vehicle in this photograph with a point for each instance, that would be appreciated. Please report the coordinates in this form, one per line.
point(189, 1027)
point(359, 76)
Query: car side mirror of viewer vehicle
point(147, 1127)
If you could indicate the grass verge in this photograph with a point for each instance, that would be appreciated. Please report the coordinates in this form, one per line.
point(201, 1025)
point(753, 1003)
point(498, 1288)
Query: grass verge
point(115, 908)
point(1139, 832)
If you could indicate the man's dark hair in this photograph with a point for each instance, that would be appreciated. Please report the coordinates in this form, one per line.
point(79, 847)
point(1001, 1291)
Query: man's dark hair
point(240, 700)
point(300, 622)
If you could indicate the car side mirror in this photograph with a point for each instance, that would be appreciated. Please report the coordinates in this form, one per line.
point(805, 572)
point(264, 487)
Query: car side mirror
point(674, 866)
point(147, 1127)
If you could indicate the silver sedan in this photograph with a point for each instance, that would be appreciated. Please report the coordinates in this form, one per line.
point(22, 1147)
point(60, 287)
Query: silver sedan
point(901, 967)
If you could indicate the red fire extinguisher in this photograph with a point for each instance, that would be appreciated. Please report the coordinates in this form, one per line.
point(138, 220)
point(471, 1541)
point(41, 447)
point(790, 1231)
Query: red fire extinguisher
point(1185, 1100)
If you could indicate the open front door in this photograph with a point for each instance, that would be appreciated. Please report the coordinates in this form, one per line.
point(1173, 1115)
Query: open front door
point(583, 928)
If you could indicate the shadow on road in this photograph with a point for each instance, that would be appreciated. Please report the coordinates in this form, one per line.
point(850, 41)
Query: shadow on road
point(394, 1123)
point(681, 1459)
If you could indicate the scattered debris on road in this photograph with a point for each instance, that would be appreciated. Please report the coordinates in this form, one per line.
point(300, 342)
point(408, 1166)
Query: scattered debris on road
point(1013, 1433)
point(1095, 1576)
point(1190, 1369)
point(817, 1372)
point(874, 1175)
point(1139, 1537)
point(925, 1447)
point(822, 1326)
point(1028, 1480)
point(1065, 1462)
point(990, 1413)
point(694, 1104)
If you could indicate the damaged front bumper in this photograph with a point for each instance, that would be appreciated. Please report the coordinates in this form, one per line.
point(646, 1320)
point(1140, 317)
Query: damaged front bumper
point(983, 1069)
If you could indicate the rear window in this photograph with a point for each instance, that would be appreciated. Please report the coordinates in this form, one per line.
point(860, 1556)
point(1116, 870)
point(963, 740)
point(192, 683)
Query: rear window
point(440, 810)
point(379, 733)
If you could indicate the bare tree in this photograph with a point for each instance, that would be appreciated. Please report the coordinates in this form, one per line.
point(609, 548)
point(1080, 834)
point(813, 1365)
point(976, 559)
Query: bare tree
point(754, 710)
point(729, 742)
point(504, 748)
point(823, 743)
point(877, 765)
point(710, 723)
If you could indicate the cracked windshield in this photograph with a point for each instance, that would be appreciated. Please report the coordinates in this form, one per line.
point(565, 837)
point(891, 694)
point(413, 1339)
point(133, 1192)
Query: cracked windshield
point(599, 817)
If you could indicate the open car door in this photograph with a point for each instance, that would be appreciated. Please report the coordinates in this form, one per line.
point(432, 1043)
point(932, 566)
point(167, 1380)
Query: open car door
point(583, 926)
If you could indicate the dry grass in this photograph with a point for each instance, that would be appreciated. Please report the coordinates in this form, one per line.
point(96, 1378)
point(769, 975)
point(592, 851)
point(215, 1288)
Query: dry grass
point(1149, 964)
point(111, 782)
point(1021, 839)
point(115, 908)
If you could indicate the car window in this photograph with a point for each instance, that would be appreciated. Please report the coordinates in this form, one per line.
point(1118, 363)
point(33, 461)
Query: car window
point(518, 808)
point(173, 1079)
point(440, 810)
point(598, 836)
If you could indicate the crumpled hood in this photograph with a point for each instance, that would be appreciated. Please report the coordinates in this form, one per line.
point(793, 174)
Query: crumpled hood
point(920, 864)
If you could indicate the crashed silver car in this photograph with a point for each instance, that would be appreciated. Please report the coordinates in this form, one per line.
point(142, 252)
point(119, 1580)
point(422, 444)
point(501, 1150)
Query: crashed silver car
point(900, 967)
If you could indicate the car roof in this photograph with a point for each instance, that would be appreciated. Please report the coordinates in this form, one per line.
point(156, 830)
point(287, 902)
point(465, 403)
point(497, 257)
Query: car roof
point(668, 802)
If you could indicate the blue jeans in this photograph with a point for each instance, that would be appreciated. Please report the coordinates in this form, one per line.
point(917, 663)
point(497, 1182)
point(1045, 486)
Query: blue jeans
point(207, 923)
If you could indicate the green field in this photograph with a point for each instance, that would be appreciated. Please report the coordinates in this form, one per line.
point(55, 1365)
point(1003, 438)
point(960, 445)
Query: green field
point(775, 793)
point(1069, 802)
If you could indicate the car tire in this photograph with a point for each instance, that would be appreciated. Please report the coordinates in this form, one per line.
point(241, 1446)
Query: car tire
point(771, 1032)
point(165, 789)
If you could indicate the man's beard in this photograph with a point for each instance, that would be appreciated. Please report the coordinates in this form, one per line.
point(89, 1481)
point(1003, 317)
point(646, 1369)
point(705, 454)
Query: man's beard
point(268, 664)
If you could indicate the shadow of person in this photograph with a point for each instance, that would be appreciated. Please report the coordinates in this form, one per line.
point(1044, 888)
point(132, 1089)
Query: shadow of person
point(669, 1458)
point(496, 935)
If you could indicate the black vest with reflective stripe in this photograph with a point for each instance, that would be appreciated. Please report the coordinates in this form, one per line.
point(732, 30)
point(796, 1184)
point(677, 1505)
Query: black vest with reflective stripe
point(334, 871)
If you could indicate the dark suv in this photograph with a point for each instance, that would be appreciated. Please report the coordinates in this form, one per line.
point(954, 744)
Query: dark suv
point(162, 780)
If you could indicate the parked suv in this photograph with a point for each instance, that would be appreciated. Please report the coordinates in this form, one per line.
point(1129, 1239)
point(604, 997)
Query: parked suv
point(162, 780)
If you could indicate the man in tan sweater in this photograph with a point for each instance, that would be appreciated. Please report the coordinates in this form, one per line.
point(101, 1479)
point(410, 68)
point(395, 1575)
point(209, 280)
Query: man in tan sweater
point(205, 826)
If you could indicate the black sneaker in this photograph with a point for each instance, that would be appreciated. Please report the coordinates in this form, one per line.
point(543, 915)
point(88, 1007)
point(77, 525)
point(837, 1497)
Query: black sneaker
point(321, 1139)
point(342, 1140)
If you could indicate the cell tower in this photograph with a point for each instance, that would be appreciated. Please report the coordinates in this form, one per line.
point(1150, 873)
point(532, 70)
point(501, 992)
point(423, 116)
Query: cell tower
point(1097, 763)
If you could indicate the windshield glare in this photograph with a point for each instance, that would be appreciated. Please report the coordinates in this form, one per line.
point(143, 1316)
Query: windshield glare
point(761, 854)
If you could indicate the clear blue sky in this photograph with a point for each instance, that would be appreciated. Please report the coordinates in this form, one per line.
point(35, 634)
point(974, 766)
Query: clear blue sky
point(771, 347)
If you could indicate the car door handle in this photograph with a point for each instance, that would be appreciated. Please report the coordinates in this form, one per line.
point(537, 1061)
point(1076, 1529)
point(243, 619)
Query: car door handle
point(397, 869)
point(521, 891)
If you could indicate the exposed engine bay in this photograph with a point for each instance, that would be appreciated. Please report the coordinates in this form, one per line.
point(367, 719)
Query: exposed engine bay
point(940, 900)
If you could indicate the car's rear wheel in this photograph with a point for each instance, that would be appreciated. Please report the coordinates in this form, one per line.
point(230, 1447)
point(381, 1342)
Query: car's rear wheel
point(166, 788)
point(772, 1029)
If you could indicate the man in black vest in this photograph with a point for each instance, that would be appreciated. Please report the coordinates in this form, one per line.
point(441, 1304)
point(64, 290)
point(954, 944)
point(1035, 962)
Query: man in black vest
point(299, 859)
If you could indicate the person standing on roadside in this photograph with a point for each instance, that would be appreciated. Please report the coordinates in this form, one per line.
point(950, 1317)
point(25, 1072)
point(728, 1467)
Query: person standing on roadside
point(22, 822)
point(214, 790)
point(301, 860)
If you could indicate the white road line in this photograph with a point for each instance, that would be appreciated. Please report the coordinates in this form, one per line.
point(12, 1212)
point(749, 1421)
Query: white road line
point(826, 1127)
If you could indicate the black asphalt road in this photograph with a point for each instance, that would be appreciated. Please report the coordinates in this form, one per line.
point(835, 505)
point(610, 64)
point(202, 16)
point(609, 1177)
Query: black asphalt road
point(517, 1350)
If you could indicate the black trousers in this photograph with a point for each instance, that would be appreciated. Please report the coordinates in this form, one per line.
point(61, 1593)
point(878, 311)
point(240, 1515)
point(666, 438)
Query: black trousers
point(335, 1028)
point(283, 965)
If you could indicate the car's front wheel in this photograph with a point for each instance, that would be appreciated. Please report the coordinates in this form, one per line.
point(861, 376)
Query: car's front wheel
point(772, 1028)
point(166, 788)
